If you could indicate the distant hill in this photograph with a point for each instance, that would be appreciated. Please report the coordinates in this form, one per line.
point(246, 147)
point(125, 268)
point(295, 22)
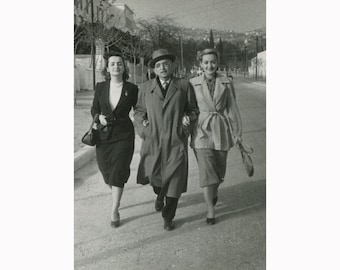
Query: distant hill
point(227, 35)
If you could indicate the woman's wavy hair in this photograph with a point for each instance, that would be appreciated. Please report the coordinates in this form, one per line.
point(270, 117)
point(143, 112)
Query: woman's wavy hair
point(106, 57)
point(207, 51)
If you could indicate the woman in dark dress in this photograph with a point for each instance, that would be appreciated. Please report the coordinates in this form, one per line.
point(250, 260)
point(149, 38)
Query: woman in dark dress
point(113, 101)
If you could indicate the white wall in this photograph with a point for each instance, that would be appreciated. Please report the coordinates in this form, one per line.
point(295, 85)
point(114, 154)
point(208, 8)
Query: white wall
point(83, 78)
point(83, 75)
point(261, 66)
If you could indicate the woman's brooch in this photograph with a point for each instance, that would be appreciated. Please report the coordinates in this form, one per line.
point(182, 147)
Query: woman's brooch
point(126, 93)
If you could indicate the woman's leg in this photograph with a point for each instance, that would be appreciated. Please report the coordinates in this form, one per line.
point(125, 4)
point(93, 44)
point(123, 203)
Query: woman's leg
point(221, 164)
point(215, 193)
point(208, 193)
point(117, 193)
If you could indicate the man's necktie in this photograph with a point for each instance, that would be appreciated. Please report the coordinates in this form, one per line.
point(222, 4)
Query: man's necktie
point(165, 86)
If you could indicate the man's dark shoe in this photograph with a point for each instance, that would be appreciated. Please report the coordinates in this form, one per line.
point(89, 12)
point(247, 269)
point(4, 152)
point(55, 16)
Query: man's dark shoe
point(168, 225)
point(211, 221)
point(159, 204)
point(115, 224)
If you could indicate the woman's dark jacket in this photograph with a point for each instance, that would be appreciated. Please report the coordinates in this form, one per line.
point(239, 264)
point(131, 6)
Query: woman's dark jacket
point(119, 126)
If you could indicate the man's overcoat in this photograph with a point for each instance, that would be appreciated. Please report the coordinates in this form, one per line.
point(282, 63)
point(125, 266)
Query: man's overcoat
point(164, 151)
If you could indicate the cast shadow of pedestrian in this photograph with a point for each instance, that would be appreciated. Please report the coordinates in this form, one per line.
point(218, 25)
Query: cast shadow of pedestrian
point(232, 201)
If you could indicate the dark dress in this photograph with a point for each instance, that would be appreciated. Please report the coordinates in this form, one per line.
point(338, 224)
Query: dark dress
point(116, 146)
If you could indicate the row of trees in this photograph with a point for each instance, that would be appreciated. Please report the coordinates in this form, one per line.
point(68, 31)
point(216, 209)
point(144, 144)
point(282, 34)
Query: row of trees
point(112, 39)
point(153, 34)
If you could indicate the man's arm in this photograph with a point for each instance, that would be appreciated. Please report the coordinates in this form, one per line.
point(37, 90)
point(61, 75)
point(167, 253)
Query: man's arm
point(140, 115)
point(191, 110)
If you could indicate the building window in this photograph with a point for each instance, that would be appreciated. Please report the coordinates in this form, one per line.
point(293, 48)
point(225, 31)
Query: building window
point(81, 4)
point(76, 3)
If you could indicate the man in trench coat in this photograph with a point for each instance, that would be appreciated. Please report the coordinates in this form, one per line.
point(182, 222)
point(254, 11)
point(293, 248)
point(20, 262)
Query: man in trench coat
point(165, 112)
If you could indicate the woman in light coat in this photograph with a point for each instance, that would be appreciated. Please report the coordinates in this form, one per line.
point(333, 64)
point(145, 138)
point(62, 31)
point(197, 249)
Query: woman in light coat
point(212, 136)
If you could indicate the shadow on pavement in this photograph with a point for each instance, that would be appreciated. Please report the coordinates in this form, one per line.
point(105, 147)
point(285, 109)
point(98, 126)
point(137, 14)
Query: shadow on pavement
point(241, 199)
point(237, 200)
point(81, 175)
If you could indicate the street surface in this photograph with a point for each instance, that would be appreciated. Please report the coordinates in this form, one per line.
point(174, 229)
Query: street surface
point(236, 241)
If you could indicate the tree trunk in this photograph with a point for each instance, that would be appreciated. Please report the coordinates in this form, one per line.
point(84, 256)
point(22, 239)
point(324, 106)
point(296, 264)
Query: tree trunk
point(134, 67)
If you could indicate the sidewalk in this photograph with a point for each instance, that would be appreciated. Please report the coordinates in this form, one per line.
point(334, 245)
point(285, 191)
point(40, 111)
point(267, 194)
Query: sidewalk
point(236, 241)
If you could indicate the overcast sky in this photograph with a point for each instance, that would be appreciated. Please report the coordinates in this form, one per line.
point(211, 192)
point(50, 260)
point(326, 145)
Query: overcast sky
point(237, 15)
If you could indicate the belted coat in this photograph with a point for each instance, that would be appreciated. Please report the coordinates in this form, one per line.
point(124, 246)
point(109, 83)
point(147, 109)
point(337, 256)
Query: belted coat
point(164, 150)
point(212, 130)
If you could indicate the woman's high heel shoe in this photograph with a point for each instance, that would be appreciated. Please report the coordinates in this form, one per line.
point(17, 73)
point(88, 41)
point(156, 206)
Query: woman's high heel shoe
point(115, 223)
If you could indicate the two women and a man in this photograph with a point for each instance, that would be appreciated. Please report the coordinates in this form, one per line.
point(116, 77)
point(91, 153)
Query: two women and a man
point(167, 110)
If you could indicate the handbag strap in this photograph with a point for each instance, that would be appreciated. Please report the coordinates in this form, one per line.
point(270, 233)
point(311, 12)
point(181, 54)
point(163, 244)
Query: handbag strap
point(245, 148)
point(93, 121)
point(239, 145)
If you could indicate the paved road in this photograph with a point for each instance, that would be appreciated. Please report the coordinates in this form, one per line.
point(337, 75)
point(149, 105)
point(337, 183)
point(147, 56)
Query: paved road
point(237, 241)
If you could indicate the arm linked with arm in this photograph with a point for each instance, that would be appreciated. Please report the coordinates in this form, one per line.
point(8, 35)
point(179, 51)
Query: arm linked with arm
point(191, 109)
point(140, 114)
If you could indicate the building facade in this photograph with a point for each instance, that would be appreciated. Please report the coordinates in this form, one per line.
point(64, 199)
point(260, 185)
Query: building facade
point(108, 12)
point(258, 66)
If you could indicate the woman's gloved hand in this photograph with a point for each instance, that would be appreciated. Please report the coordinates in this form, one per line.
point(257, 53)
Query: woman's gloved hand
point(237, 139)
point(102, 120)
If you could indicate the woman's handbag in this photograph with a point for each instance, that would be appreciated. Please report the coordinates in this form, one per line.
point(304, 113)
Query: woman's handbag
point(91, 136)
point(246, 159)
point(245, 154)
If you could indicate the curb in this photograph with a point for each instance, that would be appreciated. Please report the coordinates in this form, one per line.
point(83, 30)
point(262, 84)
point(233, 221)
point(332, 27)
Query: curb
point(88, 153)
point(260, 83)
point(83, 156)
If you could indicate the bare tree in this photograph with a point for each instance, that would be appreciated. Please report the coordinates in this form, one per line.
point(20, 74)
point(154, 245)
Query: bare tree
point(160, 32)
point(79, 36)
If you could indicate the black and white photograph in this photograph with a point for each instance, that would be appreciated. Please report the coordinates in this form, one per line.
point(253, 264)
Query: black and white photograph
point(170, 134)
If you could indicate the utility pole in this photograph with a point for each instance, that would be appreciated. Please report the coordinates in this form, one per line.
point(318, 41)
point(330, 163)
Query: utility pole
point(220, 48)
point(257, 40)
point(246, 57)
point(181, 44)
point(93, 48)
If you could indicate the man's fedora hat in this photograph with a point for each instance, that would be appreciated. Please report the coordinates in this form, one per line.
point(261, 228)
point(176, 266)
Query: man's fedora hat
point(161, 54)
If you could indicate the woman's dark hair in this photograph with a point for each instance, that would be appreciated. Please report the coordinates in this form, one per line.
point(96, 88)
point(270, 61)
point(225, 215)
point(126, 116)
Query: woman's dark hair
point(106, 57)
point(207, 51)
